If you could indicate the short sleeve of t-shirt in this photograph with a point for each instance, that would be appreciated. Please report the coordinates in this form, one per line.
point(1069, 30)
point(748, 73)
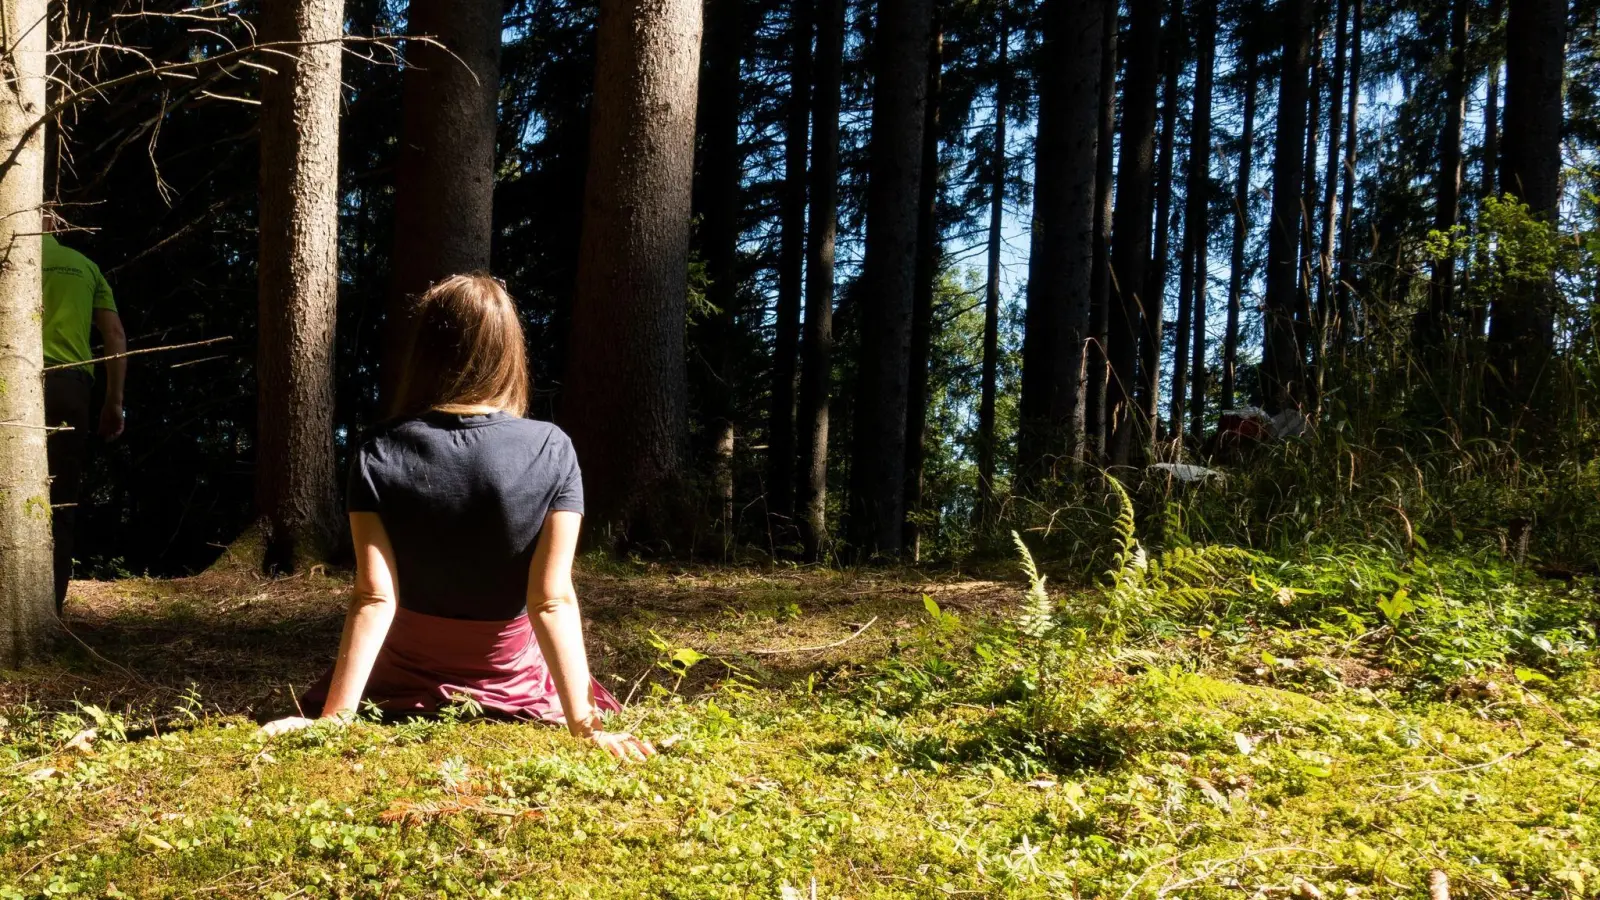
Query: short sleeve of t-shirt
point(102, 291)
point(569, 492)
point(361, 495)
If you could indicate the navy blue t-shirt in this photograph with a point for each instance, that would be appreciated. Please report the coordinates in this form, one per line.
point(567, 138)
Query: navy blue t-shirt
point(463, 499)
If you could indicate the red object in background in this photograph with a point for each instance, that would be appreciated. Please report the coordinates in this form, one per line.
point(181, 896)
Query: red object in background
point(427, 660)
point(1245, 427)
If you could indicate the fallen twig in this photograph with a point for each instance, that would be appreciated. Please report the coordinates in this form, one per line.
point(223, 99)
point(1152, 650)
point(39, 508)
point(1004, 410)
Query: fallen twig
point(1514, 754)
point(839, 643)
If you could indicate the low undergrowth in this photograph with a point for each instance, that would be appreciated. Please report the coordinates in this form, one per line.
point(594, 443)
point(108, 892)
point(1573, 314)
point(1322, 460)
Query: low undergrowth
point(1195, 723)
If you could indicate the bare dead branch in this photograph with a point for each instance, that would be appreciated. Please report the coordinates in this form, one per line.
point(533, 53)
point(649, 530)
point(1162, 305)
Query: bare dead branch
point(89, 362)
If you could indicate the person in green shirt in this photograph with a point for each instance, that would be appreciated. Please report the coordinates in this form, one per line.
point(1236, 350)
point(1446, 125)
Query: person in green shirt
point(76, 300)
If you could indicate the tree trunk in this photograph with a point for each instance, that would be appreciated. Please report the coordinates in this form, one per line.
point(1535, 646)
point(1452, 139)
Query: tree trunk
point(877, 470)
point(444, 177)
point(816, 348)
point(27, 594)
point(1130, 249)
point(1522, 320)
point(791, 273)
point(298, 274)
point(626, 393)
point(1491, 104)
point(991, 292)
point(1330, 218)
point(1061, 260)
point(1447, 188)
point(1098, 362)
point(1346, 250)
point(1181, 337)
point(1197, 223)
point(1308, 326)
point(922, 305)
point(1283, 356)
point(1491, 144)
point(1241, 236)
point(716, 205)
point(1153, 309)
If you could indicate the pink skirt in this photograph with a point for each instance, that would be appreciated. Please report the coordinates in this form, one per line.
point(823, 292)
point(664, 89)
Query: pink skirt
point(427, 660)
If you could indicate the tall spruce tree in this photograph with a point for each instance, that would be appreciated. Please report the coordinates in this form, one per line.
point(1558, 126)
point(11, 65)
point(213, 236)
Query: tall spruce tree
point(626, 393)
point(445, 174)
point(27, 595)
point(816, 347)
point(791, 271)
point(989, 380)
point(717, 207)
point(1197, 232)
point(877, 466)
point(1095, 423)
point(1435, 326)
point(929, 256)
point(1522, 323)
point(1283, 367)
point(1130, 230)
point(1061, 257)
point(298, 273)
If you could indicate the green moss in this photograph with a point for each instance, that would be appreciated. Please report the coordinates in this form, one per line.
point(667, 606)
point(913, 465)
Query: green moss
point(37, 507)
point(1226, 783)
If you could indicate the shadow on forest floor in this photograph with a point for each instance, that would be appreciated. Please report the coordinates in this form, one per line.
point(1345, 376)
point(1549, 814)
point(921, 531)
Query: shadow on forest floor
point(246, 645)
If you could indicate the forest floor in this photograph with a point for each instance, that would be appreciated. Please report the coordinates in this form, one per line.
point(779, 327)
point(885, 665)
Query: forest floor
point(1279, 762)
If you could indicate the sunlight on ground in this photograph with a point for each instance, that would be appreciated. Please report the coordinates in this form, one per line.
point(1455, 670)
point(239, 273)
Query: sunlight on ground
point(1205, 771)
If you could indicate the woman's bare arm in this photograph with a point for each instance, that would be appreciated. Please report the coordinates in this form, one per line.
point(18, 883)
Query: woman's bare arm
point(553, 607)
point(372, 606)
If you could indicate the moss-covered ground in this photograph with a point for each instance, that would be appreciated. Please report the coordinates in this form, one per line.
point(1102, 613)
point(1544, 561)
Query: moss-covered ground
point(1227, 759)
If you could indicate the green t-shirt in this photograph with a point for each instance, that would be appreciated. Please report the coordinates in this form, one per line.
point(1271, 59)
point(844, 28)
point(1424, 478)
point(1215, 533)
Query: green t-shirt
point(73, 290)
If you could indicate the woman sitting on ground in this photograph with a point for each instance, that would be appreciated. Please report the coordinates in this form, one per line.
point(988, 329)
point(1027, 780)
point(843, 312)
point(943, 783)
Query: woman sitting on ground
point(465, 517)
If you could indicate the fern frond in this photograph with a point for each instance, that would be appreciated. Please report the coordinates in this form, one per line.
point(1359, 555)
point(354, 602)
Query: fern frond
point(1123, 527)
point(1038, 613)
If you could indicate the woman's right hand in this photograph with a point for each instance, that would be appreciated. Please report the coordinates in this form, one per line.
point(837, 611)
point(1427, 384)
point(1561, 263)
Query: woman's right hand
point(622, 745)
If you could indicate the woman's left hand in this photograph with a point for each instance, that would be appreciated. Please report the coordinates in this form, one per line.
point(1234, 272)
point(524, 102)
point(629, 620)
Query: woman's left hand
point(278, 727)
point(623, 746)
point(283, 726)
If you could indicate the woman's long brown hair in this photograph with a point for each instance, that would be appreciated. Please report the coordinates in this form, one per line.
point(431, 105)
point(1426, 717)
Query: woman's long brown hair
point(466, 350)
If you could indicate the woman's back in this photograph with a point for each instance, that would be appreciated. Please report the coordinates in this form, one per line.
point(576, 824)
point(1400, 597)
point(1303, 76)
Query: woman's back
point(463, 499)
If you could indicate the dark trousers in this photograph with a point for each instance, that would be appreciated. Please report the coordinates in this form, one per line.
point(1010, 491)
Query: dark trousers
point(66, 402)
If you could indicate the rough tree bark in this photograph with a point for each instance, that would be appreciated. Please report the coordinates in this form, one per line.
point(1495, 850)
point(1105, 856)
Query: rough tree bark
point(1330, 209)
point(626, 393)
point(27, 594)
point(1491, 104)
point(1435, 325)
point(1153, 309)
point(1308, 326)
point(298, 277)
point(1491, 142)
point(1241, 237)
point(1522, 319)
point(1130, 228)
point(1061, 259)
point(877, 471)
point(1197, 230)
point(928, 264)
point(1347, 204)
point(816, 340)
point(444, 177)
point(1097, 367)
point(991, 292)
point(791, 272)
point(1283, 357)
point(716, 203)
